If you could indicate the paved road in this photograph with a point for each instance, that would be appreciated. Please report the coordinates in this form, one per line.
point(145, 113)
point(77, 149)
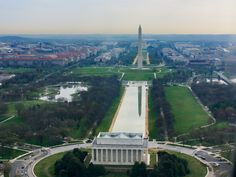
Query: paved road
point(24, 167)
point(184, 150)
point(222, 167)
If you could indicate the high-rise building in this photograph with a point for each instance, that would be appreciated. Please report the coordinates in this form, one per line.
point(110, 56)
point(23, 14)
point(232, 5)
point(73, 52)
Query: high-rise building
point(140, 41)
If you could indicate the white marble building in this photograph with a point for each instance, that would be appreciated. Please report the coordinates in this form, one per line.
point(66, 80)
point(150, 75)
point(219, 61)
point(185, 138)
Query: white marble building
point(119, 148)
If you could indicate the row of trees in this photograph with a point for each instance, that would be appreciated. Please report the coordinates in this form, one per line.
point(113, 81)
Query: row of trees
point(164, 119)
point(73, 165)
point(160, 106)
point(178, 76)
point(168, 165)
point(221, 99)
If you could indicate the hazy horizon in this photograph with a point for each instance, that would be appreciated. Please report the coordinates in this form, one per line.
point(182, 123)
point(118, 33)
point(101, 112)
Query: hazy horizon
point(98, 17)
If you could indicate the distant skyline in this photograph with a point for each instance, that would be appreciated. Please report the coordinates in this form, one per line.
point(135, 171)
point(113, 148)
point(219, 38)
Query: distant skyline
point(117, 16)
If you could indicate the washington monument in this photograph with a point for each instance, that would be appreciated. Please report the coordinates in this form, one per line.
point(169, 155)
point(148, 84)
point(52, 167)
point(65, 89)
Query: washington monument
point(140, 41)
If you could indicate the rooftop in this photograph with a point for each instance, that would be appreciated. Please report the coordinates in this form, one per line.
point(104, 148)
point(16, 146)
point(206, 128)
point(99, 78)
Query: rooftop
point(120, 139)
point(122, 135)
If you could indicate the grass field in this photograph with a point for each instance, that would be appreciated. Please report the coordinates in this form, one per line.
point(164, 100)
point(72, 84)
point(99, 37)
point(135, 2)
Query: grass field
point(96, 71)
point(8, 153)
point(45, 168)
point(187, 112)
point(12, 109)
point(107, 120)
point(197, 169)
point(130, 73)
point(137, 75)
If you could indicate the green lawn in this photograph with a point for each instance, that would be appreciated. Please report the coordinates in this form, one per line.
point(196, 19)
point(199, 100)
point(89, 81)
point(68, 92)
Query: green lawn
point(15, 119)
point(187, 112)
point(197, 169)
point(12, 108)
point(107, 120)
point(96, 71)
point(130, 73)
point(45, 168)
point(8, 153)
point(137, 75)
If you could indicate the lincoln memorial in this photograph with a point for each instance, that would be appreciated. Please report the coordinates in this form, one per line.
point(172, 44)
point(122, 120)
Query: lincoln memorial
point(119, 148)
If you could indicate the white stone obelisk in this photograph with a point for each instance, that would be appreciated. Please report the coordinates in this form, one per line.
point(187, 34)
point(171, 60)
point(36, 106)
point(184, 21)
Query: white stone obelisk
point(140, 41)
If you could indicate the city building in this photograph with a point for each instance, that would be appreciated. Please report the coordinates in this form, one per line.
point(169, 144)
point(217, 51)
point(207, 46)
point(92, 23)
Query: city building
point(111, 148)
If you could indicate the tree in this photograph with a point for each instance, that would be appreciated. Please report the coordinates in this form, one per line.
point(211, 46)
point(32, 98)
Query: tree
point(139, 170)
point(72, 165)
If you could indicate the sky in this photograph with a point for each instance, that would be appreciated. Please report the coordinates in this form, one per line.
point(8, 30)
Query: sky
point(117, 16)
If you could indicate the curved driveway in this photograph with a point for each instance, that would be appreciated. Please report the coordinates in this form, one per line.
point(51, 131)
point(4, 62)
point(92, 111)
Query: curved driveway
point(24, 167)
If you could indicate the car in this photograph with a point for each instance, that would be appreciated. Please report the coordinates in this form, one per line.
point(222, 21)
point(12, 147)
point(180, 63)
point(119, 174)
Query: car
point(203, 158)
point(216, 164)
point(211, 153)
point(222, 159)
point(89, 141)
